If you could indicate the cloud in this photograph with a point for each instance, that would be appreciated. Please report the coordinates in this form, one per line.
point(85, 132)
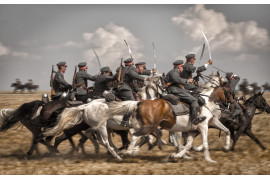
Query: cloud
point(108, 43)
point(3, 50)
point(68, 44)
point(25, 55)
point(224, 36)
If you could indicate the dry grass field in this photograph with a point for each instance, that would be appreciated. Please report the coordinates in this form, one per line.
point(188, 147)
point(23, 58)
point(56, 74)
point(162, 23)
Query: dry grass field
point(247, 159)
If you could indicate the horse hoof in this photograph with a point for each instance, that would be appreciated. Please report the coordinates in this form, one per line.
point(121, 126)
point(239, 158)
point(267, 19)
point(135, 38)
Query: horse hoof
point(185, 156)
point(211, 161)
point(225, 149)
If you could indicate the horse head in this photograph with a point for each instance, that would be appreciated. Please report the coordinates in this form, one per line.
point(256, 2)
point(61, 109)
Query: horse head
point(214, 80)
point(259, 101)
point(153, 87)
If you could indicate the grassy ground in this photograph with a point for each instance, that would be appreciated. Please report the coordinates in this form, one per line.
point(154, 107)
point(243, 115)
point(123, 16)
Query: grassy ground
point(247, 159)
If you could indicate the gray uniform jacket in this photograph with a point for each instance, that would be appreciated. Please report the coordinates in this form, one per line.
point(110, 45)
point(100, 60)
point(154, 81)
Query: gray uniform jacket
point(130, 74)
point(81, 79)
point(189, 69)
point(59, 83)
point(101, 82)
point(173, 76)
point(233, 83)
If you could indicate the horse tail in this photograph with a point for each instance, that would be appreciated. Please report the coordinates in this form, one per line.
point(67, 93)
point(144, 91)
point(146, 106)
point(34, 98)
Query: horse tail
point(25, 111)
point(121, 108)
point(5, 114)
point(67, 119)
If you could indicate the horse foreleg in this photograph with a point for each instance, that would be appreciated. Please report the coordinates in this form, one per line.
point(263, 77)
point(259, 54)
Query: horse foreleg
point(236, 137)
point(33, 146)
point(104, 138)
point(180, 154)
point(218, 125)
point(204, 133)
point(252, 136)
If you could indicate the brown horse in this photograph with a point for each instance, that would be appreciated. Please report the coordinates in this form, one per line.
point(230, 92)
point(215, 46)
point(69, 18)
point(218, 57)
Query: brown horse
point(153, 113)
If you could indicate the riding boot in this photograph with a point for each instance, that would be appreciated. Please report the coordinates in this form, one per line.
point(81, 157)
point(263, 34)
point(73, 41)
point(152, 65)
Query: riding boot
point(194, 116)
point(125, 121)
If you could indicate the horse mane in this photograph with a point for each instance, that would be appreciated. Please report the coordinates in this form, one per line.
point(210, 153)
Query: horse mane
point(25, 111)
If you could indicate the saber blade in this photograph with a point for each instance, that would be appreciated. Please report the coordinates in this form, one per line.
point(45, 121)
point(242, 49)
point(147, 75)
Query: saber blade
point(207, 43)
point(155, 56)
point(128, 48)
point(97, 59)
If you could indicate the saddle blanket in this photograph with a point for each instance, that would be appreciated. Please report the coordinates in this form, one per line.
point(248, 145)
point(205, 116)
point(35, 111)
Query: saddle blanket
point(180, 109)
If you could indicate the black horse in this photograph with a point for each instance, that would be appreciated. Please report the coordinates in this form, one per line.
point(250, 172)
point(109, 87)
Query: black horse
point(244, 125)
point(18, 87)
point(37, 116)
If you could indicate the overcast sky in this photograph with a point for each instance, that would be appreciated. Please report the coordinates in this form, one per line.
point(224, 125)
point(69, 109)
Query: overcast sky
point(35, 37)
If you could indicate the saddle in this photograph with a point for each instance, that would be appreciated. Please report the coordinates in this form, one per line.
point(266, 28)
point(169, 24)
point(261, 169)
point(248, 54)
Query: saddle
point(178, 108)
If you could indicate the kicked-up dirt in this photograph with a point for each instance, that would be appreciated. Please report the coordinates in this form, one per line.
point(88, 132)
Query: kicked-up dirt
point(248, 158)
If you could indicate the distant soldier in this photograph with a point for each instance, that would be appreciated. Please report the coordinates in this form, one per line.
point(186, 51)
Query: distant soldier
point(30, 83)
point(18, 82)
point(177, 87)
point(189, 68)
point(129, 74)
point(235, 107)
point(102, 80)
point(59, 83)
point(81, 82)
point(141, 69)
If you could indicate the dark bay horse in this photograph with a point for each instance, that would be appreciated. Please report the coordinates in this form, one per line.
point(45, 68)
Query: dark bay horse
point(257, 101)
point(36, 116)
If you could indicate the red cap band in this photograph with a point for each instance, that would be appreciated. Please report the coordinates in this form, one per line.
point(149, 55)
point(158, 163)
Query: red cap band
point(85, 67)
point(129, 63)
point(180, 65)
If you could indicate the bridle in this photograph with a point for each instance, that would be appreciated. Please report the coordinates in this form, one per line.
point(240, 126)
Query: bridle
point(155, 89)
point(262, 108)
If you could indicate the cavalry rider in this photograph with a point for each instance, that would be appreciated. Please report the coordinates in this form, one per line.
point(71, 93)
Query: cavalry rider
point(141, 70)
point(189, 68)
point(59, 83)
point(233, 81)
point(81, 82)
point(18, 82)
point(101, 81)
point(176, 87)
point(129, 74)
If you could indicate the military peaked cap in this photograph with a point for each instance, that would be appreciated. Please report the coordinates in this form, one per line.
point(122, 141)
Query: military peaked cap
point(140, 63)
point(190, 56)
point(61, 63)
point(105, 69)
point(129, 60)
point(82, 64)
point(178, 62)
point(228, 75)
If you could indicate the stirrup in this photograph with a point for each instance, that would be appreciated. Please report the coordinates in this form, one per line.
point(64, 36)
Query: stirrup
point(126, 124)
point(198, 120)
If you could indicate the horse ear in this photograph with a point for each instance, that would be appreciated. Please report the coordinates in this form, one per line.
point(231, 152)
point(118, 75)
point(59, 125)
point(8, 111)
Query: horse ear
point(218, 73)
point(163, 75)
point(262, 93)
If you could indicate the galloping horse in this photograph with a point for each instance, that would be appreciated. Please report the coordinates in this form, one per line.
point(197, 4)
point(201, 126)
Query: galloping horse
point(29, 115)
point(18, 87)
point(150, 114)
point(257, 101)
point(101, 119)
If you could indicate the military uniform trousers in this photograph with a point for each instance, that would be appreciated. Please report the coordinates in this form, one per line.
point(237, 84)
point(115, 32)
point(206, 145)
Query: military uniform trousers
point(126, 95)
point(187, 98)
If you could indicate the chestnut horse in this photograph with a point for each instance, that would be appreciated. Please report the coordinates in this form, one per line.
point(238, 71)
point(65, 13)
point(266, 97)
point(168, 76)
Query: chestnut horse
point(150, 114)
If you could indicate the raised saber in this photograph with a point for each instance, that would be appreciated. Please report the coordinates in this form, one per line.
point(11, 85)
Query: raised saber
point(200, 57)
point(155, 56)
point(207, 43)
point(128, 48)
point(97, 59)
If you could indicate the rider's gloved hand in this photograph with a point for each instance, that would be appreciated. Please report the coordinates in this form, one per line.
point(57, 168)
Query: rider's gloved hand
point(69, 87)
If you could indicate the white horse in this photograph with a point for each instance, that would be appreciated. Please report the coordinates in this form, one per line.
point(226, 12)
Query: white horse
point(96, 115)
point(183, 124)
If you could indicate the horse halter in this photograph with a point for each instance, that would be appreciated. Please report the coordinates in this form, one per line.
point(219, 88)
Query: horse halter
point(262, 108)
point(158, 87)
